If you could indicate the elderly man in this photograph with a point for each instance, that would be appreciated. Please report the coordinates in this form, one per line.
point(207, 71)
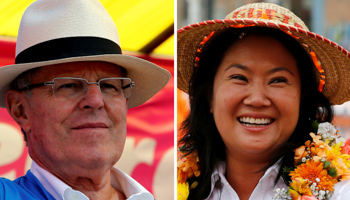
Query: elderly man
point(69, 91)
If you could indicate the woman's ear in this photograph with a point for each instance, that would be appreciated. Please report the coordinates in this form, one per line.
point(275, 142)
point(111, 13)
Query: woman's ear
point(15, 107)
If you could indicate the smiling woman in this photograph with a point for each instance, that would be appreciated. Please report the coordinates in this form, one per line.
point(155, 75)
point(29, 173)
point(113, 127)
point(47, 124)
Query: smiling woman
point(254, 95)
point(256, 84)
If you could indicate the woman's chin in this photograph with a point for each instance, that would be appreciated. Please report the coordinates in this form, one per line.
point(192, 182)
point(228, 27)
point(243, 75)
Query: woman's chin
point(258, 149)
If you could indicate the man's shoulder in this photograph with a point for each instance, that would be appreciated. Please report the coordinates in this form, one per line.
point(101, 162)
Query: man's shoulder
point(24, 187)
point(10, 189)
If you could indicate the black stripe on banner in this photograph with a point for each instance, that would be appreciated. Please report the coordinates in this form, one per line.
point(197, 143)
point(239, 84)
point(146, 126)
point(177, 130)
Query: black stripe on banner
point(67, 48)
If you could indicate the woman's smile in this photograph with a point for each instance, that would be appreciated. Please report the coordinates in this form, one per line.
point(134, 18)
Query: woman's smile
point(255, 122)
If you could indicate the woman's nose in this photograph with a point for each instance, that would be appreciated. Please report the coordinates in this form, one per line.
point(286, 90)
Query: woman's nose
point(257, 97)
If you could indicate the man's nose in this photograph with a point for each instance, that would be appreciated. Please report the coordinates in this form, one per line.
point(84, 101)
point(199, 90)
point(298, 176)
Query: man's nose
point(257, 97)
point(92, 98)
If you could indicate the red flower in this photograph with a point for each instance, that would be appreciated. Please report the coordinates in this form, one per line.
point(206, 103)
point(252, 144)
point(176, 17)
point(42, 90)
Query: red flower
point(346, 148)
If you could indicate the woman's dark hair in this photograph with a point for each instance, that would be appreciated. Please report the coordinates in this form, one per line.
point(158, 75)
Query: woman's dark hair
point(200, 132)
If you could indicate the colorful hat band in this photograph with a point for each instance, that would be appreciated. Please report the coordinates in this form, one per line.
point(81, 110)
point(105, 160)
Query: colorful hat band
point(265, 13)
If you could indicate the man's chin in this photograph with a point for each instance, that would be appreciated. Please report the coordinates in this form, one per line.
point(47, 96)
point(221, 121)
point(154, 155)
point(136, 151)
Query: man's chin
point(96, 160)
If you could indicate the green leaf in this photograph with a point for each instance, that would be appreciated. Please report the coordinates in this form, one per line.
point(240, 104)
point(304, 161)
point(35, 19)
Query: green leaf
point(332, 172)
point(314, 125)
point(287, 170)
point(288, 193)
point(326, 164)
point(299, 163)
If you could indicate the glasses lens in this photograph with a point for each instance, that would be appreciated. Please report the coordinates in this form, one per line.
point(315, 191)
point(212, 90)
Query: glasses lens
point(68, 87)
point(116, 87)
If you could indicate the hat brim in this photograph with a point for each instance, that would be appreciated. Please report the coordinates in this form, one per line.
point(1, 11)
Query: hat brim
point(149, 78)
point(334, 59)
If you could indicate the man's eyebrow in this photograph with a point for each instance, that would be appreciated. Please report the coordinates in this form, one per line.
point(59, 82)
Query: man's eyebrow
point(278, 69)
point(235, 65)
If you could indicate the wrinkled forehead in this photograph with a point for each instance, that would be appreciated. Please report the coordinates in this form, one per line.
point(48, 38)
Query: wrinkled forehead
point(83, 69)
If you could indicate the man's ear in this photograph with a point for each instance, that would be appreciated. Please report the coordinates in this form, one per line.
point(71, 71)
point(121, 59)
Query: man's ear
point(15, 106)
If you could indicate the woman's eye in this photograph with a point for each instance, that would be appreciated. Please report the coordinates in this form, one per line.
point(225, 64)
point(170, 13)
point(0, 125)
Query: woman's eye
point(279, 80)
point(238, 77)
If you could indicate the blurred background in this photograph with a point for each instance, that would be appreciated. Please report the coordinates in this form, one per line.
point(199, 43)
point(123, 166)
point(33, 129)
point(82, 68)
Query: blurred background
point(146, 30)
point(329, 18)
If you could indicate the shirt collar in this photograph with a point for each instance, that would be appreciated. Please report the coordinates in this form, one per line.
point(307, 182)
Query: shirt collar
point(131, 188)
point(220, 169)
point(219, 172)
point(61, 191)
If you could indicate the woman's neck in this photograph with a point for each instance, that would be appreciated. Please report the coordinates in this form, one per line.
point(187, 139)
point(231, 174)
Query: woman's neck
point(244, 175)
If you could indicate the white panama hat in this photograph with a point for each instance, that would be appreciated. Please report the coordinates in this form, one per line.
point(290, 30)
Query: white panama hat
point(62, 31)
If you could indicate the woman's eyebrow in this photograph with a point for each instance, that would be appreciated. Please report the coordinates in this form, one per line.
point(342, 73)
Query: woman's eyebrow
point(245, 68)
point(277, 69)
point(235, 65)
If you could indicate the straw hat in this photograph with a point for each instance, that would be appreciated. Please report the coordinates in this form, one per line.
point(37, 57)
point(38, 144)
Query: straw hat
point(62, 31)
point(331, 60)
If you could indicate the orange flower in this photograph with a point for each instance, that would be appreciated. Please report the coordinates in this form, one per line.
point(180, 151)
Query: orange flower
point(312, 170)
point(187, 165)
point(299, 187)
point(181, 176)
point(300, 153)
point(317, 139)
point(318, 147)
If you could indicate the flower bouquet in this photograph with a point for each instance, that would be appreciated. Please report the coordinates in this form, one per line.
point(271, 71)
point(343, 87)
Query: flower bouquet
point(318, 166)
point(187, 167)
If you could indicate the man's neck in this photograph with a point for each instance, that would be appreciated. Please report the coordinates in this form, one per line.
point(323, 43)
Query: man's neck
point(96, 186)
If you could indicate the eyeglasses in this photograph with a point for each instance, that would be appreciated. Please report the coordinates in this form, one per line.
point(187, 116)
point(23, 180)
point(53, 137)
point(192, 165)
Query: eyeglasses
point(71, 88)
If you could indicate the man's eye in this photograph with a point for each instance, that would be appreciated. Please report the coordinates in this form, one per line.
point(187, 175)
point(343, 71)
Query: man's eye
point(107, 86)
point(68, 85)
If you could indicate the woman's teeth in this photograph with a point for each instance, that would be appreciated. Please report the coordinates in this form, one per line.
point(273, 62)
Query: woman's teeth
point(254, 122)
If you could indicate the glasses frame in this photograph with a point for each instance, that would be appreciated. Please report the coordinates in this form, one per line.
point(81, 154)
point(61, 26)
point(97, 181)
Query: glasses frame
point(32, 86)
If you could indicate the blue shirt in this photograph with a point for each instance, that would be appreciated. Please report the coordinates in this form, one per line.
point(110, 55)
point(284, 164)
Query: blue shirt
point(26, 187)
point(37, 183)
